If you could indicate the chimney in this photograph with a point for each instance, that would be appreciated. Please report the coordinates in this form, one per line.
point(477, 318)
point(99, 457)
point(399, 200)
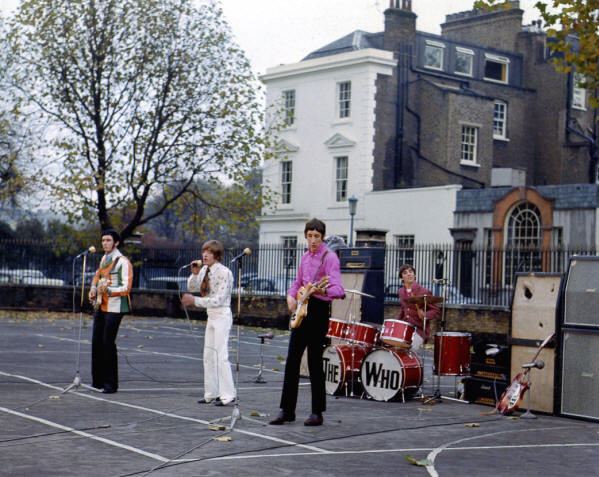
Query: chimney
point(400, 24)
point(401, 4)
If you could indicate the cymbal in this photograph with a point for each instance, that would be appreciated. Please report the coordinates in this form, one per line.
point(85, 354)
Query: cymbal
point(419, 300)
point(356, 292)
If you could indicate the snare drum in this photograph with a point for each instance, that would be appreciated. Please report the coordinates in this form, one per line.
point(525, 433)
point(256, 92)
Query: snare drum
point(397, 333)
point(455, 355)
point(363, 333)
point(341, 365)
point(387, 373)
point(337, 328)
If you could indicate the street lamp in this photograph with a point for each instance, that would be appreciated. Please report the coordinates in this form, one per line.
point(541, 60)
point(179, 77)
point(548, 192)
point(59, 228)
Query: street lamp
point(353, 203)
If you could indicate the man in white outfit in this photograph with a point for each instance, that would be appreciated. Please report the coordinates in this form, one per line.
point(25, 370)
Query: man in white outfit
point(214, 282)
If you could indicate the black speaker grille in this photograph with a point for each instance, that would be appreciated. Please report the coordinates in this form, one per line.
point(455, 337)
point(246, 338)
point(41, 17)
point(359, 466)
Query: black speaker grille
point(580, 374)
point(581, 300)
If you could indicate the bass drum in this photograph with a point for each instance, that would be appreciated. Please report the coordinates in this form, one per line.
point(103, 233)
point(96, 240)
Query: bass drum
point(341, 365)
point(389, 374)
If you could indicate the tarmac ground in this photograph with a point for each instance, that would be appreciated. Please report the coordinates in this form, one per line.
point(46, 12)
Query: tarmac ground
point(154, 425)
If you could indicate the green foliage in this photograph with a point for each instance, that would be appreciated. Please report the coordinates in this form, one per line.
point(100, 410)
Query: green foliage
point(143, 98)
point(572, 24)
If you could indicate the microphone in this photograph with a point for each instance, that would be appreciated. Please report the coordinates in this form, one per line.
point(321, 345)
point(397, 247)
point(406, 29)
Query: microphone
point(91, 249)
point(540, 364)
point(246, 251)
point(195, 263)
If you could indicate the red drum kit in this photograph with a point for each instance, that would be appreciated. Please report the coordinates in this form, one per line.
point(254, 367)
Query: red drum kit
point(379, 364)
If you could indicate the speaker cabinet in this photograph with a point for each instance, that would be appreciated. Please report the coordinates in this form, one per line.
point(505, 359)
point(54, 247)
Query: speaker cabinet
point(581, 297)
point(534, 311)
point(534, 305)
point(580, 374)
point(358, 307)
point(542, 380)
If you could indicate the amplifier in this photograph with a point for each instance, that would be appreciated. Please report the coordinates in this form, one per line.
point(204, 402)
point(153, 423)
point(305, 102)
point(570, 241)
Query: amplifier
point(372, 258)
point(483, 391)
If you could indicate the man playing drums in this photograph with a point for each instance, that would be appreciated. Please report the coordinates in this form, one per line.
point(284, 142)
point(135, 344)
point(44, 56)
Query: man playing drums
point(414, 312)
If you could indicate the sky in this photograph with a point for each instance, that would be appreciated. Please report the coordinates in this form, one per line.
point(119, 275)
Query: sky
point(274, 32)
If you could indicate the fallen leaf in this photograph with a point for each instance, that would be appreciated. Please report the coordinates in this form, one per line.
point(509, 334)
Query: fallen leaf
point(472, 424)
point(222, 438)
point(424, 409)
point(217, 428)
point(40, 346)
point(140, 346)
point(54, 397)
point(422, 463)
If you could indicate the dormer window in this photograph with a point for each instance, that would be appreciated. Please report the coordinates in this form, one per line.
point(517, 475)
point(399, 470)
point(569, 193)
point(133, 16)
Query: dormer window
point(496, 68)
point(463, 61)
point(433, 55)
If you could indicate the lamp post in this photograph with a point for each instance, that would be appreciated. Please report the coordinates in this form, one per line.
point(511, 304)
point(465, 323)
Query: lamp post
point(353, 203)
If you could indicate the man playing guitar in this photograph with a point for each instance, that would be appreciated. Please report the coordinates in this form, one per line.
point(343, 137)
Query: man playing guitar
point(318, 262)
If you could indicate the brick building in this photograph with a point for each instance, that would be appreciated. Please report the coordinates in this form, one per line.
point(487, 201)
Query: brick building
point(476, 119)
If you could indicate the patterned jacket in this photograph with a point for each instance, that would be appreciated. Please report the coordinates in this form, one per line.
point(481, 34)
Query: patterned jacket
point(120, 276)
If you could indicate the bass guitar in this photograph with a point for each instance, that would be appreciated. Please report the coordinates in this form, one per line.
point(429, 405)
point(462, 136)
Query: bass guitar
point(303, 294)
point(512, 397)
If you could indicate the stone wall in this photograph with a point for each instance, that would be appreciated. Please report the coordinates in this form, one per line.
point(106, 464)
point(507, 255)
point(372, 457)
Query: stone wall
point(262, 311)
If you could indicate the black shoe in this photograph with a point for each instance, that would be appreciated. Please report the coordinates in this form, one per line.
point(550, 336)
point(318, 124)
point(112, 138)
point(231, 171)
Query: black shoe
point(108, 391)
point(282, 418)
point(314, 420)
point(205, 401)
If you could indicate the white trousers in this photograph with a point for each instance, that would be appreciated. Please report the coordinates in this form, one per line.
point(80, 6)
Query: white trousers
point(218, 378)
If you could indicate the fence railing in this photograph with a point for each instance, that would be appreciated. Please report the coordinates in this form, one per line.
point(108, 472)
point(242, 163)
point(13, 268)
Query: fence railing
point(473, 276)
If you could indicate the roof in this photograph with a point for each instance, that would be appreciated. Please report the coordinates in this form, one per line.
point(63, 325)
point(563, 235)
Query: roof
point(357, 40)
point(569, 196)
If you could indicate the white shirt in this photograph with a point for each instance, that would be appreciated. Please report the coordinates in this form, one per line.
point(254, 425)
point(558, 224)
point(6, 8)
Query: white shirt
point(220, 286)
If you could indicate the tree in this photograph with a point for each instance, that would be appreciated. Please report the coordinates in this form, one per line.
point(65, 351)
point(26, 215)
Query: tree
point(231, 210)
point(145, 97)
point(572, 25)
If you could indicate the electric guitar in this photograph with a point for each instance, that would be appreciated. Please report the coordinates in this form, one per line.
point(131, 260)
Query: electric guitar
point(302, 300)
point(512, 397)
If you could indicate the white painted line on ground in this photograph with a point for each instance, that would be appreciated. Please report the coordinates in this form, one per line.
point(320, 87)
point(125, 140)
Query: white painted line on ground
point(433, 455)
point(167, 414)
point(110, 442)
point(157, 353)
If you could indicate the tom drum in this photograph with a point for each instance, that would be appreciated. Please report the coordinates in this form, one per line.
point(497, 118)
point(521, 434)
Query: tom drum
point(397, 333)
point(453, 349)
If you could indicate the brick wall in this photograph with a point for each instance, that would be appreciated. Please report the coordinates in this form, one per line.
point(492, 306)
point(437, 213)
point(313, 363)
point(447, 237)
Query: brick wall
point(266, 312)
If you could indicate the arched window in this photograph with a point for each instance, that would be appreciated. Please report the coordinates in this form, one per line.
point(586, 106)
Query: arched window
point(523, 241)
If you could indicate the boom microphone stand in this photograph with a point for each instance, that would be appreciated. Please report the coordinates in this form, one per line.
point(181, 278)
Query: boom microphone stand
point(236, 414)
point(76, 384)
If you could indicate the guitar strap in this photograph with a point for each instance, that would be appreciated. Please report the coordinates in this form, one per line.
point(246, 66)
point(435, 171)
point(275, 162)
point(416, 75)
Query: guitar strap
point(319, 266)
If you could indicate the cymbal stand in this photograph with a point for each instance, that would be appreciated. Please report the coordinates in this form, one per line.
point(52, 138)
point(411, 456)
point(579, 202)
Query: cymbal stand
point(436, 397)
point(76, 384)
point(352, 317)
point(236, 414)
point(422, 356)
point(259, 379)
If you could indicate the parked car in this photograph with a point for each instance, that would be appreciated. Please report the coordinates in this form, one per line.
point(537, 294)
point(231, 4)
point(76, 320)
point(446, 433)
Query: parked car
point(266, 286)
point(28, 277)
point(167, 283)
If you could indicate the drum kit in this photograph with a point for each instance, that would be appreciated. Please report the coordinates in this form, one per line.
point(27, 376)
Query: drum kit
point(366, 361)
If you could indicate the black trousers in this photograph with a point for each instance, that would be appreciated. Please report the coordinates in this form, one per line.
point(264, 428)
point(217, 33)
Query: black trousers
point(310, 334)
point(105, 366)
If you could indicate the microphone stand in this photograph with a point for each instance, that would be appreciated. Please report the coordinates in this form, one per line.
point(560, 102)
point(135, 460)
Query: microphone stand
point(236, 414)
point(76, 384)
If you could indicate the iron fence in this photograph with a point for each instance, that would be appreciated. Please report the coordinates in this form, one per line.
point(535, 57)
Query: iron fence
point(464, 275)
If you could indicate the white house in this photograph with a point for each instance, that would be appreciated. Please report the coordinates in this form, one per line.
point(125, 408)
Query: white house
point(326, 155)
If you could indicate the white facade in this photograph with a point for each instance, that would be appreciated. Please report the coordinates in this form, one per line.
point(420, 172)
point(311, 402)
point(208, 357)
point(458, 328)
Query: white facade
point(318, 136)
